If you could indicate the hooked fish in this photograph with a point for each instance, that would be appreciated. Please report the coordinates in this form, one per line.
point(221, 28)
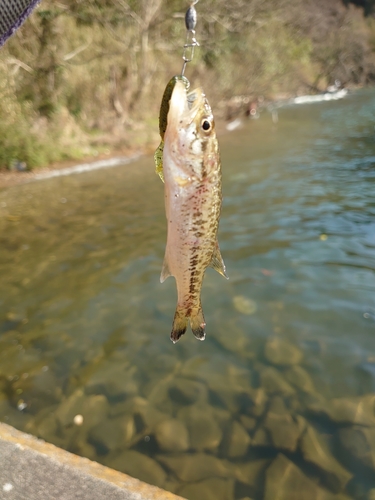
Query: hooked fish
point(192, 176)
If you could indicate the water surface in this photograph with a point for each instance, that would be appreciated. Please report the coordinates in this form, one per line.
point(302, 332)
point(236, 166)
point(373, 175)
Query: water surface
point(85, 322)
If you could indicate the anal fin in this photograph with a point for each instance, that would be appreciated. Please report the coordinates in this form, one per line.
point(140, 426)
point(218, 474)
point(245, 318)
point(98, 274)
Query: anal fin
point(217, 262)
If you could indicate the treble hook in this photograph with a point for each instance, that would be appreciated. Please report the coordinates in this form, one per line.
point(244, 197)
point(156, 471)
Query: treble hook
point(191, 42)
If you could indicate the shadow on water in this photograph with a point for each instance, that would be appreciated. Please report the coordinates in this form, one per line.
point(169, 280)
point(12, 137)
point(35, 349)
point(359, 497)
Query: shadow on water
point(279, 399)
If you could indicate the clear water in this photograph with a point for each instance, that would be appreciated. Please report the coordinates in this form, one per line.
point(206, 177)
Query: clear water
point(81, 306)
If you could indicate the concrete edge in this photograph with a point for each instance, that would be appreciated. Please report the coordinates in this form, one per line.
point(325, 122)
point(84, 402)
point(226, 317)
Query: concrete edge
point(84, 465)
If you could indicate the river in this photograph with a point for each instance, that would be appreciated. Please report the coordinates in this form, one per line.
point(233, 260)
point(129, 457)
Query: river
point(280, 397)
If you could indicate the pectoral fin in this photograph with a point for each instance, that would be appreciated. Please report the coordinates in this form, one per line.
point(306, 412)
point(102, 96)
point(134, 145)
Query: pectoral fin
point(158, 158)
point(217, 262)
point(165, 272)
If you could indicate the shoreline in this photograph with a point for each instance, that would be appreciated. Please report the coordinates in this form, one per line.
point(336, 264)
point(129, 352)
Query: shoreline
point(116, 157)
point(127, 155)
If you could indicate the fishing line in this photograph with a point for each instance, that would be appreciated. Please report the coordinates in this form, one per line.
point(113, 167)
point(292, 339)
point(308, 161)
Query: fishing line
point(191, 41)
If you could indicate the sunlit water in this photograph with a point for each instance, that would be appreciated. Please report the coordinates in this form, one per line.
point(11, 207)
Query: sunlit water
point(85, 322)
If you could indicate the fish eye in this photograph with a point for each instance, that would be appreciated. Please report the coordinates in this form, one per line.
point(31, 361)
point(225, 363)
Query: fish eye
point(206, 125)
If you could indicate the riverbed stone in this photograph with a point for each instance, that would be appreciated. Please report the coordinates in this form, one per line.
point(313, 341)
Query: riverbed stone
point(204, 431)
point(353, 410)
point(141, 409)
point(359, 444)
point(183, 391)
point(299, 378)
point(47, 428)
point(237, 441)
point(42, 386)
point(217, 373)
point(285, 481)
point(273, 382)
point(249, 423)
point(261, 438)
point(315, 450)
point(114, 380)
point(237, 341)
point(93, 409)
point(196, 467)
point(140, 466)
point(281, 352)
point(114, 433)
point(70, 407)
point(244, 305)
point(209, 489)
point(282, 428)
point(251, 473)
point(158, 395)
point(172, 435)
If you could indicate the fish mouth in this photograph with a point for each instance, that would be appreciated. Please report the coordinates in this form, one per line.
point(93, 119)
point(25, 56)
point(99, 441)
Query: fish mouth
point(184, 106)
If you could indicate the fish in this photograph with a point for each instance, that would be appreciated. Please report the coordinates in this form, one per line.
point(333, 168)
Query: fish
point(163, 120)
point(193, 197)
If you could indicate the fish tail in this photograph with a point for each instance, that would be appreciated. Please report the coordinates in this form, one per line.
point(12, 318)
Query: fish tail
point(197, 323)
point(179, 324)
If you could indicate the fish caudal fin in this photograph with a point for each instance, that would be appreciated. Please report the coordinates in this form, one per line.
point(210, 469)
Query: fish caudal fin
point(179, 325)
point(180, 322)
point(197, 323)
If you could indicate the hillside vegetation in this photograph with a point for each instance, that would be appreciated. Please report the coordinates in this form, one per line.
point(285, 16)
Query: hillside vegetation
point(84, 76)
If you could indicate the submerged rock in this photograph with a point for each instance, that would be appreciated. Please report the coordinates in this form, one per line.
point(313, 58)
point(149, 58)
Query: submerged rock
point(237, 441)
point(285, 481)
point(218, 373)
point(251, 473)
point(183, 391)
point(46, 427)
point(209, 489)
point(141, 409)
point(249, 423)
point(315, 450)
point(205, 433)
point(70, 407)
point(356, 410)
point(261, 438)
point(172, 435)
point(273, 382)
point(140, 466)
point(114, 433)
point(113, 380)
point(244, 305)
point(196, 467)
point(359, 444)
point(282, 428)
point(237, 342)
point(300, 379)
point(281, 352)
point(94, 409)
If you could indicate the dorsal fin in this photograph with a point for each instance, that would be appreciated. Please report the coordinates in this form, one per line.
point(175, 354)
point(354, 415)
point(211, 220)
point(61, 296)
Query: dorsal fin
point(217, 261)
point(165, 272)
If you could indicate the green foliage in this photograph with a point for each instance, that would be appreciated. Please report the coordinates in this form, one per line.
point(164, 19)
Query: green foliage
point(83, 74)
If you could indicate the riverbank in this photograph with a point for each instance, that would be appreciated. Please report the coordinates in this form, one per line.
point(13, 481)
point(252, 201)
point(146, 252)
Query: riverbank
point(9, 178)
point(36, 470)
